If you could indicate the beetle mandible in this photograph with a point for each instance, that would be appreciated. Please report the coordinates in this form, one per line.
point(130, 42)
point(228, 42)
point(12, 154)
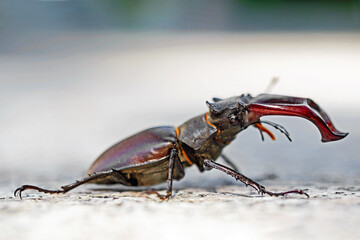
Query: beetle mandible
point(160, 154)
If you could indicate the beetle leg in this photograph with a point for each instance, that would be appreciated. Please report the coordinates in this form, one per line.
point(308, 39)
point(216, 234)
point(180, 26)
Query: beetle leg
point(174, 162)
point(71, 186)
point(248, 182)
point(173, 155)
point(229, 162)
point(172, 159)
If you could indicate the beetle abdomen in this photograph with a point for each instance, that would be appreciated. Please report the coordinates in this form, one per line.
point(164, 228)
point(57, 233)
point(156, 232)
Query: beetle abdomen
point(143, 148)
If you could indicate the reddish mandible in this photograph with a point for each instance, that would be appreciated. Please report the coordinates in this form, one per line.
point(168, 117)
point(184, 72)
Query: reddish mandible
point(160, 154)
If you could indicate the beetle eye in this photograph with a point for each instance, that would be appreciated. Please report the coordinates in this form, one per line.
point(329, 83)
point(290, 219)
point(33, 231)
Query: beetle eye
point(233, 119)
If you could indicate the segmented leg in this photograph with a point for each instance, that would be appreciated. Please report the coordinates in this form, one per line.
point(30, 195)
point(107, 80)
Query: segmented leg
point(174, 162)
point(248, 182)
point(71, 186)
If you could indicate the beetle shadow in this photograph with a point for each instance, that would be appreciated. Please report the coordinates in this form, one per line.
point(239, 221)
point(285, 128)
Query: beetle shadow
point(190, 188)
point(197, 192)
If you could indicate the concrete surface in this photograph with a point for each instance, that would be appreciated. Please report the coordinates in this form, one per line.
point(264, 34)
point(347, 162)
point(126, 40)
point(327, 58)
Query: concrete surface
point(223, 212)
point(67, 98)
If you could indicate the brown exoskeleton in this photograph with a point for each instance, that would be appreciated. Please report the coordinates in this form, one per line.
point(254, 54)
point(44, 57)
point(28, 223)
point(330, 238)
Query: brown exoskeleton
point(160, 154)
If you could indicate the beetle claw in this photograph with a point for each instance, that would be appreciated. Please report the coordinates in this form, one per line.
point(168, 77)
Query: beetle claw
point(26, 187)
point(162, 198)
point(166, 197)
point(19, 190)
point(268, 104)
point(278, 194)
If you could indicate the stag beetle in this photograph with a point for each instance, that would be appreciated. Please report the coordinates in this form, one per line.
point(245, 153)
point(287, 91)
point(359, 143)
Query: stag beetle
point(160, 154)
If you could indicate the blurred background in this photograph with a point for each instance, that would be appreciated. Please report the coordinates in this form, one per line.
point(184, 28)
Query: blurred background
point(78, 76)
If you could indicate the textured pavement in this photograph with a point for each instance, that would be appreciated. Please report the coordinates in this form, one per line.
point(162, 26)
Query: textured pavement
point(332, 212)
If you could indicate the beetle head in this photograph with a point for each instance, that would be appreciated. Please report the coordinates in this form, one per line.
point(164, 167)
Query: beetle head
point(228, 114)
point(237, 113)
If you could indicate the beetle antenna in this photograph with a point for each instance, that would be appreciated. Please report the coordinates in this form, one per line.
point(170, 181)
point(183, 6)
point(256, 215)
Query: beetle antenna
point(262, 135)
point(262, 129)
point(278, 127)
point(272, 84)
